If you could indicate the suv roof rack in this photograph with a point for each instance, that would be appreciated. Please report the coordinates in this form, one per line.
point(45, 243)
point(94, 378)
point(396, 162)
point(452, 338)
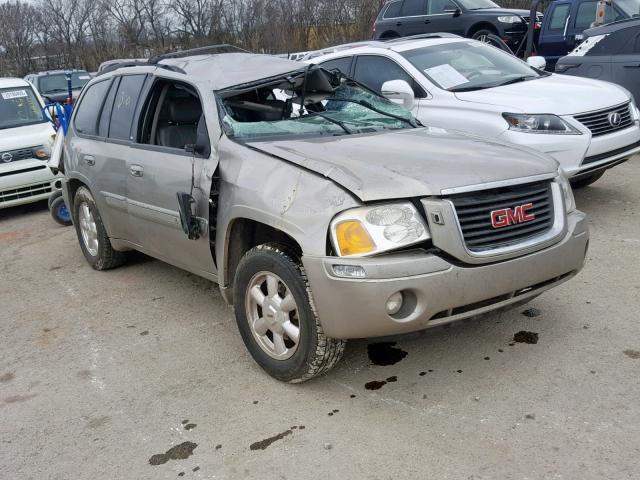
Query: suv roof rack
point(118, 65)
point(199, 50)
point(422, 36)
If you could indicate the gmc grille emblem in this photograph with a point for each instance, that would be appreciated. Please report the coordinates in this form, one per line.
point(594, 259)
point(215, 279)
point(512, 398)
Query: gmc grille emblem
point(511, 216)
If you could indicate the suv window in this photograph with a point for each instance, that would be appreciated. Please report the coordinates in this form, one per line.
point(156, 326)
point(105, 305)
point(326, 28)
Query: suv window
point(86, 118)
point(439, 6)
point(586, 14)
point(374, 70)
point(172, 117)
point(393, 10)
point(343, 64)
point(124, 106)
point(559, 17)
point(105, 114)
point(412, 8)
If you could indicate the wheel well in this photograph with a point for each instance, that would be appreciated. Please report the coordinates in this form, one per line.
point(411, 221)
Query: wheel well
point(390, 34)
point(244, 234)
point(74, 185)
point(481, 26)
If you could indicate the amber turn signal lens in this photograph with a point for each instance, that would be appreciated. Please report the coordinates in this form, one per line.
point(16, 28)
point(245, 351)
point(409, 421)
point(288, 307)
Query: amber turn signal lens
point(353, 238)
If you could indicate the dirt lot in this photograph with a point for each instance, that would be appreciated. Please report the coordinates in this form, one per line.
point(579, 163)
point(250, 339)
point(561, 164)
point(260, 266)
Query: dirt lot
point(140, 373)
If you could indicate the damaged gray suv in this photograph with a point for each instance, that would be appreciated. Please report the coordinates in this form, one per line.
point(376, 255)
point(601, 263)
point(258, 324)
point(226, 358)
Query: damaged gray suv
point(324, 211)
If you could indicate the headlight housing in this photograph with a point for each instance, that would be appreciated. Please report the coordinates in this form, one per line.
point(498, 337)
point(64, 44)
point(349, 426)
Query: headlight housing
point(539, 123)
point(510, 19)
point(379, 228)
point(567, 191)
point(42, 153)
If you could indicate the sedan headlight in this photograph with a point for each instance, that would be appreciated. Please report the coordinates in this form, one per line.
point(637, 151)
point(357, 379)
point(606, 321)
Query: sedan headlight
point(510, 19)
point(370, 230)
point(544, 123)
point(567, 191)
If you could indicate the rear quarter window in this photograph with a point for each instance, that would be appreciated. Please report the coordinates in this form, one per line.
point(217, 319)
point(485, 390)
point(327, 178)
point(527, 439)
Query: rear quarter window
point(124, 106)
point(393, 10)
point(87, 113)
point(341, 64)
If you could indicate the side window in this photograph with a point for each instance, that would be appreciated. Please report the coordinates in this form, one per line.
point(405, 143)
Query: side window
point(124, 106)
point(342, 64)
point(436, 7)
point(585, 15)
point(373, 71)
point(86, 118)
point(173, 118)
point(107, 107)
point(559, 18)
point(393, 10)
point(412, 8)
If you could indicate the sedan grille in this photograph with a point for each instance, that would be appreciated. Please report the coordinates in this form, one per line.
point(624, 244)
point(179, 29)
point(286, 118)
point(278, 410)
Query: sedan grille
point(605, 121)
point(15, 155)
point(24, 192)
point(478, 211)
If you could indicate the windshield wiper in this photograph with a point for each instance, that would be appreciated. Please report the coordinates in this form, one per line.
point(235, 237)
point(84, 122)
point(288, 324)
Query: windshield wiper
point(55, 90)
point(523, 78)
point(366, 104)
point(328, 119)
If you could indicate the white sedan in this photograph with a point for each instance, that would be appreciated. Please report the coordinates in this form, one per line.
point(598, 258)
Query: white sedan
point(447, 81)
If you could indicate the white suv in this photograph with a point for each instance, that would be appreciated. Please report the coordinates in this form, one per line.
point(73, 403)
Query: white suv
point(456, 83)
point(25, 145)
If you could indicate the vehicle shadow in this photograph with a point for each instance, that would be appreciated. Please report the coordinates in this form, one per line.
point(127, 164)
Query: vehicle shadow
point(21, 210)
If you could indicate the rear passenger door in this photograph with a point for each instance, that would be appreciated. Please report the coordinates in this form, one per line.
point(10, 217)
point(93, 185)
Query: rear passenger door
point(94, 164)
point(161, 164)
point(413, 19)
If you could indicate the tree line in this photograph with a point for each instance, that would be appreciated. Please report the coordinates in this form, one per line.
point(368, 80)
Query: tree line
point(53, 34)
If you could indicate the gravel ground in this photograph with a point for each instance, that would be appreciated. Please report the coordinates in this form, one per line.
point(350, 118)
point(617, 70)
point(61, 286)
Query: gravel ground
point(140, 373)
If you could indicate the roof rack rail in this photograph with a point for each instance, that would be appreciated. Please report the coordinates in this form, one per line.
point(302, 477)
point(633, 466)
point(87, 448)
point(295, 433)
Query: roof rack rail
point(422, 36)
point(192, 51)
point(116, 66)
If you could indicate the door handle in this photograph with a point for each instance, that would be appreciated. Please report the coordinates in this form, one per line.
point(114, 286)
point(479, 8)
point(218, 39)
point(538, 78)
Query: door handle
point(632, 65)
point(398, 24)
point(136, 170)
point(427, 21)
point(89, 160)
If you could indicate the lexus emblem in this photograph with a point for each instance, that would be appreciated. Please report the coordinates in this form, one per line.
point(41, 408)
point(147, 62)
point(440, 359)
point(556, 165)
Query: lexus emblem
point(6, 157)
point(511, 216)
point(615, 119)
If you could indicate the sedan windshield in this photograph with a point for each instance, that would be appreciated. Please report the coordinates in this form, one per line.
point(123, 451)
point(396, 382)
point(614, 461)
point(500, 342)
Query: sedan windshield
point(464, 66)
point(337, 107)
point(19, 107)
point(478, 4)
point(57, 83)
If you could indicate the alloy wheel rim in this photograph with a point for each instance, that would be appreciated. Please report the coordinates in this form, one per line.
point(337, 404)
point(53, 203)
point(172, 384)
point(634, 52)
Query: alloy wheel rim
point(272, 313)
point(88, 229)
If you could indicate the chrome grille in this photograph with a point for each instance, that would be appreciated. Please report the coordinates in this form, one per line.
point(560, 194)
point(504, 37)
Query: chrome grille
point(474, 211)
point(599, 123)
point(21, 154)
point(24, 192)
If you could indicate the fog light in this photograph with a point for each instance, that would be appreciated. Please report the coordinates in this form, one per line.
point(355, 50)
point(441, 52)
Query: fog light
point(394, 303)
point(349, 271)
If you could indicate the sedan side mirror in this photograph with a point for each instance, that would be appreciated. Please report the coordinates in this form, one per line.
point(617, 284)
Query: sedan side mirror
point(537, 62)
point(399, 90)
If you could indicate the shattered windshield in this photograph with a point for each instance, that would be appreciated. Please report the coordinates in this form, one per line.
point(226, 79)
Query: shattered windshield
point(326, 106)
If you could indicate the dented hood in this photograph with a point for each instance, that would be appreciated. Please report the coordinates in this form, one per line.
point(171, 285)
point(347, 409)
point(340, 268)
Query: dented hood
point(409, 163)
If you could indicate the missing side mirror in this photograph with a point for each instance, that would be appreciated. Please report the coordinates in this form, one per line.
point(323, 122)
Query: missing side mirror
point(190, 224)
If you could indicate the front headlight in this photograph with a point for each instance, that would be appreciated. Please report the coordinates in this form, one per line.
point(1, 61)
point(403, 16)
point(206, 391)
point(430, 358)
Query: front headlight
point(42, 153)
point(567, 191)
point(544, 123)
point(370, 230)
point(510, 19)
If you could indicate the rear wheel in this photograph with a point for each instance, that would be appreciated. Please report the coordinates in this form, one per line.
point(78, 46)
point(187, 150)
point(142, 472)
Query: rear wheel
point(92, 235)
point(586, 180)
point(276, 317)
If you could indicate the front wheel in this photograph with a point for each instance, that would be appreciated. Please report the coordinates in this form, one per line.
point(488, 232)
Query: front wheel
point(92, 235)
point(276, 317)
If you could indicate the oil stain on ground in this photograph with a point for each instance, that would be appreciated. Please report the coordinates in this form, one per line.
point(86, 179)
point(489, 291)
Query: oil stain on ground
point(378, 384)
point(190, 426)
point(531, 312)
point(384, 353)
point(263, 444)
point(179, 452)
point(7, 377)
point(635, 354)
point(526, 337)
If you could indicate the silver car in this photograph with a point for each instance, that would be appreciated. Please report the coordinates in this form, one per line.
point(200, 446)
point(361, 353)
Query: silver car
point(324, 211)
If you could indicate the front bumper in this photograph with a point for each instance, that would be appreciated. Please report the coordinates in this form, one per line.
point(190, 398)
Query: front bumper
point(436, 290)
point(26, 181)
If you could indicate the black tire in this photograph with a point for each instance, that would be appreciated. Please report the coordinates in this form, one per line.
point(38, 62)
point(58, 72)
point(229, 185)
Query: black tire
point(59, 212)
point(483, 35)
point(586, 180)
point(54, 195)
point(105, 257)
point(315, 353)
